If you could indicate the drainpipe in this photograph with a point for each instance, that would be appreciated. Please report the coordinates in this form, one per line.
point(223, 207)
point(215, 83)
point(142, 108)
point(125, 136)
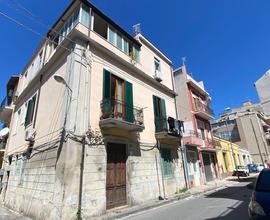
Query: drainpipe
point(79, 212)
point(256, 138)
point(161, 165)
point(181, 145)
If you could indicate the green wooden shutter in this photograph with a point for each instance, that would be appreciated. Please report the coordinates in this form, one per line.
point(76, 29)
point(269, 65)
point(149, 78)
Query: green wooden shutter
point(163, 114)
point(156, 114)
point(106, 102)
point(166, 162)
point(28, 112)
point(129, 116)
point(33, 108)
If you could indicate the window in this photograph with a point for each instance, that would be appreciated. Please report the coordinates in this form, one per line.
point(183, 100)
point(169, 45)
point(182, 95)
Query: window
point(157, 64)
point(30, 111)
point(160, 114)
point(72, 21)
point(166, 157)
point(117, 98)
point(119, 41)
point(100, 26)
point(125, 46)
point(202, 133)
point(112, 36)
point(85, 16)
point(136, 53)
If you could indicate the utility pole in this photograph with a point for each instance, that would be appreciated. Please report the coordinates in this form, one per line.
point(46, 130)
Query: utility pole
point(252, 125)
point(230, 140)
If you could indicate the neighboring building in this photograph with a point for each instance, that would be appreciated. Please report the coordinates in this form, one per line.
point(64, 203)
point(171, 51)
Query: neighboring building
point(6, 109)
point(245, 157)
point(247, 127)
point(229, 155)
point(193, 103)
point(107, 135)
point(263, 90)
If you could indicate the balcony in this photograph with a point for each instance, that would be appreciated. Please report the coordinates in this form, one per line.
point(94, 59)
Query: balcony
point(117, 114)
point(168, 129)
point(203, 111)
point(192, 138)
point(5, 110)
point(210, 143)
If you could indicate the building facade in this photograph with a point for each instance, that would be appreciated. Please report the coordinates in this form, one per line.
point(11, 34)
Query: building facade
point(262, 86)
point(247, 127)
point(94, 124)
point(193, 103)
point(230, 155)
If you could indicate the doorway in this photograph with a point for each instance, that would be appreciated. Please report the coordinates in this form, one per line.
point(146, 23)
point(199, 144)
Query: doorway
point(116, 175)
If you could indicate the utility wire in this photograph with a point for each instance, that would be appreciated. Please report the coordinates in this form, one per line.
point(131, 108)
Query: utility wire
point(37, 33)
point(36, 19)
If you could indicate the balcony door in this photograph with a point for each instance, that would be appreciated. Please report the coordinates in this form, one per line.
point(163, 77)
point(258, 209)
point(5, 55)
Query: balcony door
point(117, 98)
point(160, 114)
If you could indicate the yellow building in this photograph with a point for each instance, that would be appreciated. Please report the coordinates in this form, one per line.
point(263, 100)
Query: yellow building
point(226, 160)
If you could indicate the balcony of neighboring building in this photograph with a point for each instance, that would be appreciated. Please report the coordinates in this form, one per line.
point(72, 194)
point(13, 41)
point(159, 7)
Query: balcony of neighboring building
point(6, 106)
point(193, 138)
point(5, 110)
point(203, 110)
point(121, 115)
point(168, 128)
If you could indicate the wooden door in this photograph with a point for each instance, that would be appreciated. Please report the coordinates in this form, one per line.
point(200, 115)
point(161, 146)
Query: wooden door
point(116, 175)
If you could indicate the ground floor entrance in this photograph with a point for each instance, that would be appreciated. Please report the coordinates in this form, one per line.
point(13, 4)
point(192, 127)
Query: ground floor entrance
point(116, 175)
point(209, 163)
point(193, 166)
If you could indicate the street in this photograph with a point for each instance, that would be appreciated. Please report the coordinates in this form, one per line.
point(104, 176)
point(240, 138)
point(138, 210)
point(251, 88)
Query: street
point(226, 204)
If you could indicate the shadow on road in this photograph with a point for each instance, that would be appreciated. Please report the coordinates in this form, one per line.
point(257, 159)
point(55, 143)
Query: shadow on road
point(241, 195)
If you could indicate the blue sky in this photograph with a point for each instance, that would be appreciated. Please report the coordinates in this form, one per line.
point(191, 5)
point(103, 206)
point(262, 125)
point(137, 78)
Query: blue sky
point(226, 42)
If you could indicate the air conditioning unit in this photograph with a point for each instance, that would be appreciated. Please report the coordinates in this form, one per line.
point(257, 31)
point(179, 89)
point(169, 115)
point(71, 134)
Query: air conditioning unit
point(158, 75)
point(30, 134)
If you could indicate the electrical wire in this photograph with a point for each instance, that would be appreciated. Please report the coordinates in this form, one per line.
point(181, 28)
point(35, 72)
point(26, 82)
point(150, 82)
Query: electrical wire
point(35, 18)
point(37, 33)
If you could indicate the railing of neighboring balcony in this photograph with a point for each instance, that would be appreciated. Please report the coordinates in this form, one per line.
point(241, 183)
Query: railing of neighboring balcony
point(193, 133)
point(199, 106)
point(116, 109)
point(170, 125)
point(4, 103)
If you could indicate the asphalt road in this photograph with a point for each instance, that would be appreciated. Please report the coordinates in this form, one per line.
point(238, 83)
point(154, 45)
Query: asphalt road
point(226, 204)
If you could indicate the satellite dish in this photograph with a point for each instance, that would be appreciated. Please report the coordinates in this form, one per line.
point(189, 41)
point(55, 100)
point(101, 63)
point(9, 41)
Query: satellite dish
point(4, 132)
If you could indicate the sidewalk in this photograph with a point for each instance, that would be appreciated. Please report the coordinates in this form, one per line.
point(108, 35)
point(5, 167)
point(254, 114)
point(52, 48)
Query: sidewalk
point(200, 190)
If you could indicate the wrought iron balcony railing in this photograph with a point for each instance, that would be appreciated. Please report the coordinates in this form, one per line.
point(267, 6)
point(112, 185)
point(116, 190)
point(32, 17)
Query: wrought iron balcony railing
point(201, 107)
point(170, 125)
point(193, 133)
point(112, 108)
point(3, 104)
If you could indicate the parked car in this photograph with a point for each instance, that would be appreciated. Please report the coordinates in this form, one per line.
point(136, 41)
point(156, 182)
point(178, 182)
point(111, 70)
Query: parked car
point(259, 206)
point(260, 167)
point(252, 168)
point(241, 171)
